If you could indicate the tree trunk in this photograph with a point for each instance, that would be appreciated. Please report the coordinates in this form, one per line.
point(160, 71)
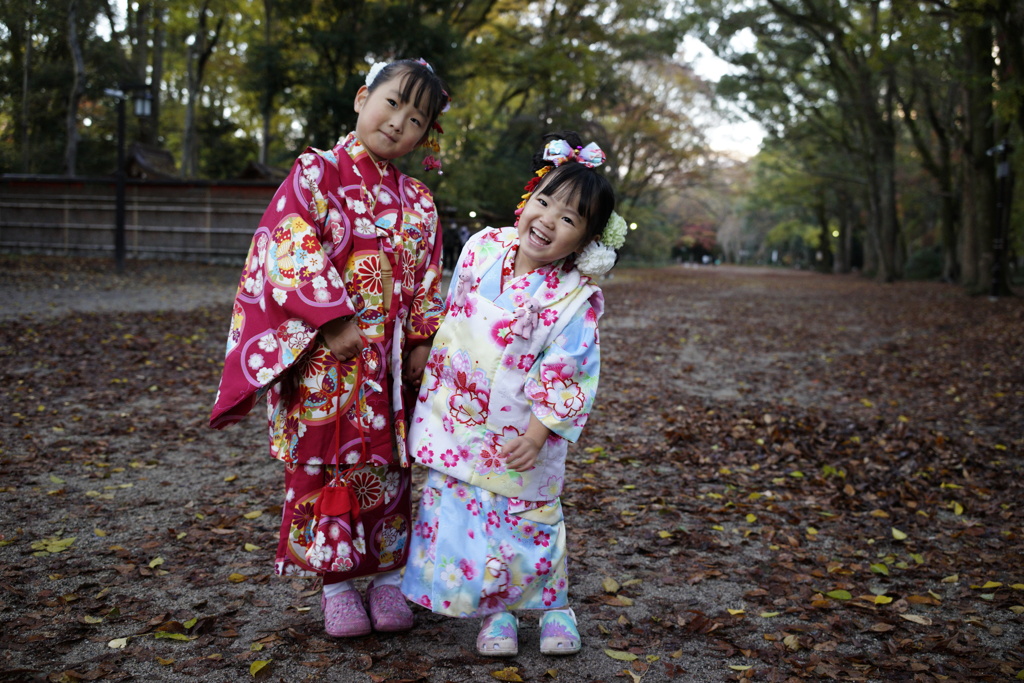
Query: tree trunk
point(842, 259)
point(824, 264)
point(157, 77)
point(267, 98)
point(26, 150)
point(979, 173)
point(198, 56)
point(75, 94)
point(890, 258)
point(949, 213)
point(140, 61)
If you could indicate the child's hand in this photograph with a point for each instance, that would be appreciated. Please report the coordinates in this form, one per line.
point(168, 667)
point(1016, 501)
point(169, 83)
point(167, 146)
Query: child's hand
point(521, 453)
point(415, 361)
point(342, 337)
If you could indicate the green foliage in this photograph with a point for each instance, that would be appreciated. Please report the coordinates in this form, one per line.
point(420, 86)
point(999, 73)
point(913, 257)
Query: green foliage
point(925, 264)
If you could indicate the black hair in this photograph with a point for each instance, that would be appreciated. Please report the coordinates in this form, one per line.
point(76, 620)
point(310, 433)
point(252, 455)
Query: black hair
point(594, 194)
point(419, 84)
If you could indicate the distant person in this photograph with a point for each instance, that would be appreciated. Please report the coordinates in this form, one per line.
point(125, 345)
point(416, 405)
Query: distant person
point(336, 306)
point(510, 382)
point(463, 235)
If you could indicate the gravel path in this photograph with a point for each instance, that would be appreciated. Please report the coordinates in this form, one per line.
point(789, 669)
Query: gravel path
point(51, 289)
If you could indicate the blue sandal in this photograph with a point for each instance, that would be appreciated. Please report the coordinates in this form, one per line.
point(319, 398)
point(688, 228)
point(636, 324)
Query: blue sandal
point(558, 633)
point(499, 635)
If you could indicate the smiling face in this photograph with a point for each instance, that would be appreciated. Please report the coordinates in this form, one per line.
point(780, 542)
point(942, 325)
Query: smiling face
point(387, 126)
point(550, 228)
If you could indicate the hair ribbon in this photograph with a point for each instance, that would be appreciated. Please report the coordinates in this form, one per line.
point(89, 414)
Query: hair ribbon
point(559, 152)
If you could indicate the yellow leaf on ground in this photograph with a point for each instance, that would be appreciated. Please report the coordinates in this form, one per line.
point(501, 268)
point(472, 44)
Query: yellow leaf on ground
point(664, 534)
point(740, 667)
point(118, 643)
point(734, 612)
point(53, 544)
point(258, 666)
point(509, 673)
point(156, 562)
point(769, 615)
point(253, 515)
point(879, 513)
point(249, 547)
point(171, 636)
point(610, 585)
point(237, 578)
point(898, 535)
point(952, 578)
point(620, 655)
point(992, 584)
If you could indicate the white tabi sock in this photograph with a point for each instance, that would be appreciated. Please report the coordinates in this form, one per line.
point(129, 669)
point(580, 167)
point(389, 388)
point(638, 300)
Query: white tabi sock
point(332, 589)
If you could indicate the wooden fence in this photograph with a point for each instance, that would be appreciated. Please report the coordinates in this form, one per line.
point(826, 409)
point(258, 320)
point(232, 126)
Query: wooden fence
point(208, 221)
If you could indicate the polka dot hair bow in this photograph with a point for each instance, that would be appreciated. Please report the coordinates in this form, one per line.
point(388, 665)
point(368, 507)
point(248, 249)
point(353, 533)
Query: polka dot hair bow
point(559, 151)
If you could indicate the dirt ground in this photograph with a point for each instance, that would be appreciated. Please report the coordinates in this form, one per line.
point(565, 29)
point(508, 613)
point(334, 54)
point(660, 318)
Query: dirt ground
point(789, 476)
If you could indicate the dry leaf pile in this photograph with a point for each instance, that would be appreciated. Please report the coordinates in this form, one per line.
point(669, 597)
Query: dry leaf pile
point(788, 477)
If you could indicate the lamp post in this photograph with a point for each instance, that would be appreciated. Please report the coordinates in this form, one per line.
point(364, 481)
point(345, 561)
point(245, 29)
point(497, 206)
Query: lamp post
point(142, 100)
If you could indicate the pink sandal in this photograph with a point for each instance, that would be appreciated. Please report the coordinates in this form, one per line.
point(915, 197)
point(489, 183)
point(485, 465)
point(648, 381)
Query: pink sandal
point(388, 609)
point(344, 616)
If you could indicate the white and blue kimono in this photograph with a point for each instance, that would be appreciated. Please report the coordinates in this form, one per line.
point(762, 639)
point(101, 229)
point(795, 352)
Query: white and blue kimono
point(487, 538)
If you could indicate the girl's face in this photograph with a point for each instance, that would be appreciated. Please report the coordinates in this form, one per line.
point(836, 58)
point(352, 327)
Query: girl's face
point(388, 127)
point(550, 228)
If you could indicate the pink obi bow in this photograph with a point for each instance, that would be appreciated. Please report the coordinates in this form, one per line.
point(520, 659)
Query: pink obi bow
point(559, 152)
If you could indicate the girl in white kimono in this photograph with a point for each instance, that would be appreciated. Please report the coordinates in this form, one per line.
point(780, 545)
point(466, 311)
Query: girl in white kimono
point(509, 382)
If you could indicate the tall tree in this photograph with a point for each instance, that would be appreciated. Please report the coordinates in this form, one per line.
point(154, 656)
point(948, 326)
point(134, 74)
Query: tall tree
point(203, 42)
point(809, 56)
point(75, 91)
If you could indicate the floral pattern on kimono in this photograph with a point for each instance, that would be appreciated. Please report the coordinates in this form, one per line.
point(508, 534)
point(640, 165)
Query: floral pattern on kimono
point(488, 539)
point(316, 256)
point(502, 354)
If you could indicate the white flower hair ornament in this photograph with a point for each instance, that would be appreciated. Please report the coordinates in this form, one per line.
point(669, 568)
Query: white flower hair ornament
point(598, 257)
point(374, 72)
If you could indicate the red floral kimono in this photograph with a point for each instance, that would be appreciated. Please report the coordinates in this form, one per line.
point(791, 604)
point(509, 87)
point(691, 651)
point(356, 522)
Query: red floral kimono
point(317, 256)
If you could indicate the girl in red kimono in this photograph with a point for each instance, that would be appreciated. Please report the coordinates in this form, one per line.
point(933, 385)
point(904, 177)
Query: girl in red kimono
point(337, 302)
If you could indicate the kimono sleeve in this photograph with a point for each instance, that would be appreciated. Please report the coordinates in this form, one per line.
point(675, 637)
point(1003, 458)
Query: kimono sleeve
point(427, 305)
point(562, 384)
point(289, 287)
point(297, 277)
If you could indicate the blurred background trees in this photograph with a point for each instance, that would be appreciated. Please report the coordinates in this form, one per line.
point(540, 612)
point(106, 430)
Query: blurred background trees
point(885, 121)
